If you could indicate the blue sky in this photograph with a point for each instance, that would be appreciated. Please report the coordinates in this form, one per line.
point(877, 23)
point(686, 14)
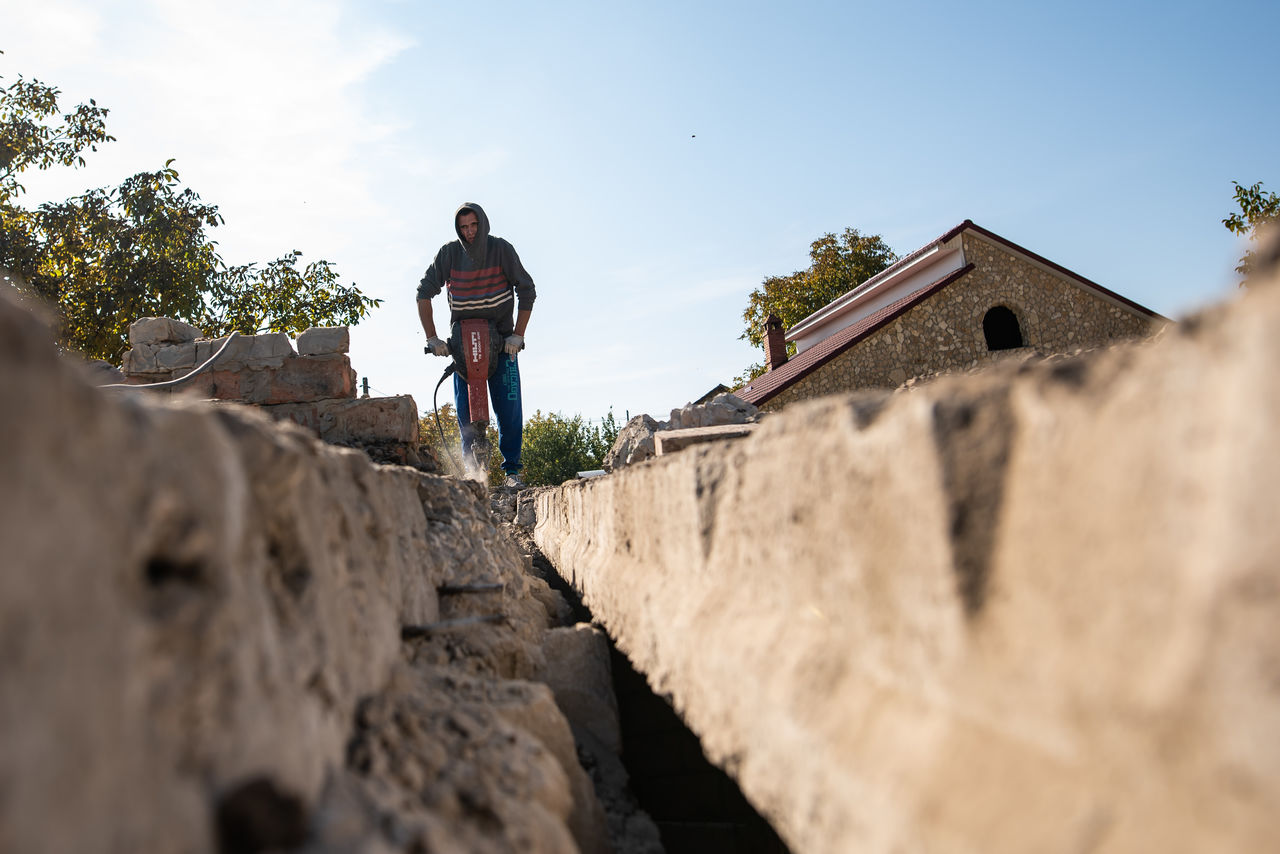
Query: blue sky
point(653, 162)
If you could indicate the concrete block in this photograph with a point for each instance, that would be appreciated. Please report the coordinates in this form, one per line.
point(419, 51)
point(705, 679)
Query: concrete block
point(374, 419)
point(161, 330)
point(670, 441)
point(307, 378)
point(269, 347)
point(176, 356)
point(321, 340)
point(141, 360)
point(233, 358)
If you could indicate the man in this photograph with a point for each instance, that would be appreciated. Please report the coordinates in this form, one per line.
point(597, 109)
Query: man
point(485, 279)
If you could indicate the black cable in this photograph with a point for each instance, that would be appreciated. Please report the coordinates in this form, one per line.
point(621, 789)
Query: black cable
point(435, 407)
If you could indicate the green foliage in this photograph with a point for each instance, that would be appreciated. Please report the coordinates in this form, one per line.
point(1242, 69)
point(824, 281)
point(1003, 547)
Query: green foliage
point(1258, 210)
point(838, 264)
point(109, 256)
point(28, 137)
point(279, 297)
point(557, 448)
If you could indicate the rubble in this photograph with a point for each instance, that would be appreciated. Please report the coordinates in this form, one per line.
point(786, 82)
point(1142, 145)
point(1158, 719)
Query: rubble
point(639, 438)
point(201, 614)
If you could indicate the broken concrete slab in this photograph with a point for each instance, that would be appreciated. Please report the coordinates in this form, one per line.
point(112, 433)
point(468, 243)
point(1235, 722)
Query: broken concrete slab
point(578, 673)
point(725, 408)
point(670, 441)
point(1028, 610)
point(634, 443)
point(374, 419)
point(321, 340)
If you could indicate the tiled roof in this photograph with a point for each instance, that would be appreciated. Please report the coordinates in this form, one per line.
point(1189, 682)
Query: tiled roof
point(887, 273)
point(770, 383)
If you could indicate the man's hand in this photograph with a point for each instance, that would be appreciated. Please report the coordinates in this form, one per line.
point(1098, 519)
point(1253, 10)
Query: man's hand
point(437, 347)
point(514, 344)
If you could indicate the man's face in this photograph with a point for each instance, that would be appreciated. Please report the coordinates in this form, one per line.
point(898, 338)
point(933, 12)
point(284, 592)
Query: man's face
point(468, 225)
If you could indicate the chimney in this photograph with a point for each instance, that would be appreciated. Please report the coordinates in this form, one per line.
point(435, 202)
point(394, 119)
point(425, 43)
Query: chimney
point(775, 345)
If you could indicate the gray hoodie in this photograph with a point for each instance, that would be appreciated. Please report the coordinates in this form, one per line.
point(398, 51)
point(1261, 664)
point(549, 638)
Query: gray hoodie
point(484, 279)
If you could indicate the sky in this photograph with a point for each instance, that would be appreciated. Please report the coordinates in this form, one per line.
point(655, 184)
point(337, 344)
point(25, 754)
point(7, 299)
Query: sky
point(653, 162)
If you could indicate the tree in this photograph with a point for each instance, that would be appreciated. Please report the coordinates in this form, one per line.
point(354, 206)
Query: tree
point(557, 448)
point(1258, 210)
point(109, 256)
point(837, 266)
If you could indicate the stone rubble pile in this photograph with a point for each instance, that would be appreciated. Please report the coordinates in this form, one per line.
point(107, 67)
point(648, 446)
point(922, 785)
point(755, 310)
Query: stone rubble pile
point(636, 440)
point(314, 386)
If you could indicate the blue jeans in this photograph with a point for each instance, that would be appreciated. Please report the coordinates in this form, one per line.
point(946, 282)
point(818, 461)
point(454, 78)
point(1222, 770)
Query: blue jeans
point(504, 403)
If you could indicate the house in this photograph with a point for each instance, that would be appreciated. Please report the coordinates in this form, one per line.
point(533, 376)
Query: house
point(966, 298)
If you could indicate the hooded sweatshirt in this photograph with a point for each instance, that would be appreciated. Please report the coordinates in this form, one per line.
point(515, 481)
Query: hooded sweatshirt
point(483, 279)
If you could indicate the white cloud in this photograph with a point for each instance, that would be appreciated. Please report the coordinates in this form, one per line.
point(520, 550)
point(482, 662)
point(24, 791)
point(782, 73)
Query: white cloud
point(59, 33)
point(260, 102)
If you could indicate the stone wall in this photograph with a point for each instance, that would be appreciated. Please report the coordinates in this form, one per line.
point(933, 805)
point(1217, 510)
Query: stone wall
point(219, 634)
point(313, 387)
point(1033, 609)
point(945, 332)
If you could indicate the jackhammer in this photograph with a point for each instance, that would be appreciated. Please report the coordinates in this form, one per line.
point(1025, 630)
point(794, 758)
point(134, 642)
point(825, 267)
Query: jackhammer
point(473, 345)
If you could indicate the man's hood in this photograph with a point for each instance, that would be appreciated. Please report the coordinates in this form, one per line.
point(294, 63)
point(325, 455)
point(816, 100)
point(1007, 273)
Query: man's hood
point(477, 248)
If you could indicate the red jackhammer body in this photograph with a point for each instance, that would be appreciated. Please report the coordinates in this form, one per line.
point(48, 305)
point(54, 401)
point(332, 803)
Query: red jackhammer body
point(475, 350)
point(474, 345)
point(476, 353)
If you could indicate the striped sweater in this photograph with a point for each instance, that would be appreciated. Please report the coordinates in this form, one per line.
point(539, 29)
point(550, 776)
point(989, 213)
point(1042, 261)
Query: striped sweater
point(488, 288)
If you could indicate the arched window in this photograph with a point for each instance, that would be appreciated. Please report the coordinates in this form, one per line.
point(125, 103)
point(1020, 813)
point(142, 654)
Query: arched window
point(1000, 325)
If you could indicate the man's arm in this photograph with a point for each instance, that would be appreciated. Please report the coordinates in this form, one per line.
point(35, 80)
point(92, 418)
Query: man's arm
point(522, 320)
point(428, 321)
point(434, 344)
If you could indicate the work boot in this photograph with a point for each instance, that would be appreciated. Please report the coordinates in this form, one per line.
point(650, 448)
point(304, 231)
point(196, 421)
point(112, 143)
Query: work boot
point(513, 482)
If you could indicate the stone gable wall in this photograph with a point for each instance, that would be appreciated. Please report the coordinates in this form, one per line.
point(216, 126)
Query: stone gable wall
point(944, 333)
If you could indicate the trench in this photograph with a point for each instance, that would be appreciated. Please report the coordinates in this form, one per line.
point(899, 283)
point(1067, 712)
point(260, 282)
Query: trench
point(697, 807)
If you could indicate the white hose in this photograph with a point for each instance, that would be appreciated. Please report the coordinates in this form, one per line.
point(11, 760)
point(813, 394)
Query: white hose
point(179, 380)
